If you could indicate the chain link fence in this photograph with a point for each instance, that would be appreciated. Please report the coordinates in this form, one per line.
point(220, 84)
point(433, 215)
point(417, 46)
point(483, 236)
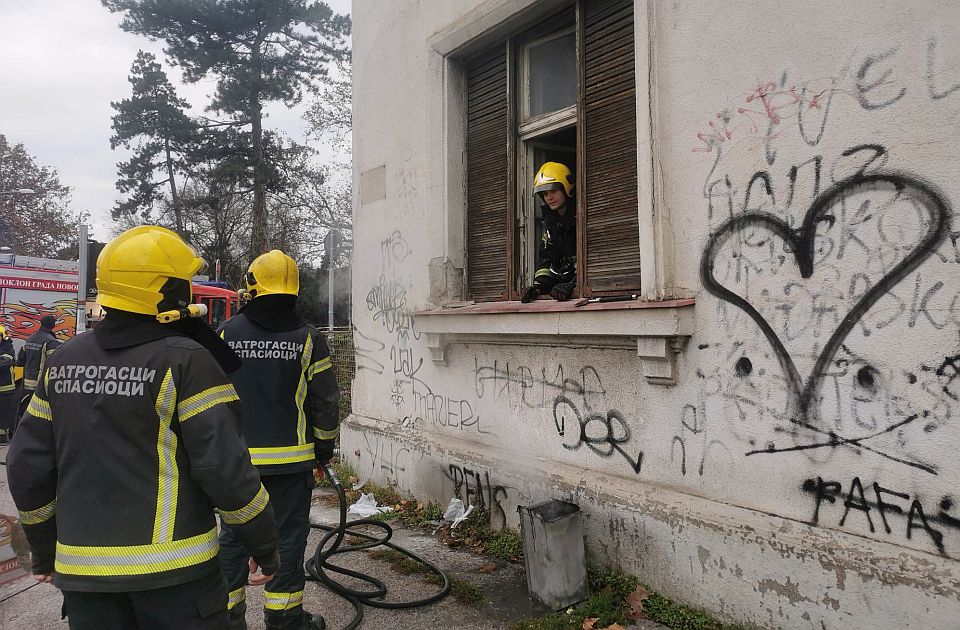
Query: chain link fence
point(340, 341)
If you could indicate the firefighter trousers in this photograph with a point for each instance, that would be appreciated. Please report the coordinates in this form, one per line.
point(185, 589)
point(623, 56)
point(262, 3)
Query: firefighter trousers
point(196, 605)
point(283, 595)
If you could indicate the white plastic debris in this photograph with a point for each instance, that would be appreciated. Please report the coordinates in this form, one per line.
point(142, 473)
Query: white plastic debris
point(456, 513)
point(366, 506)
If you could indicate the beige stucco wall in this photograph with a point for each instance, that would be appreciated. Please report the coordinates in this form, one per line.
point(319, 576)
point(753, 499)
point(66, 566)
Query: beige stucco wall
point(709, 488)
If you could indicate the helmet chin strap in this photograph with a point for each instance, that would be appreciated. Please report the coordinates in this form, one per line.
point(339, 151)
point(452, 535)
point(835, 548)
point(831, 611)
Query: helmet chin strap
point(246, 294)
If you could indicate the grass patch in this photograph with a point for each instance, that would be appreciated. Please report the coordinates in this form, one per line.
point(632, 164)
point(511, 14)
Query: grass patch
point(607, 604)
point(475, 534)
point(464, 591)
point(506, 544)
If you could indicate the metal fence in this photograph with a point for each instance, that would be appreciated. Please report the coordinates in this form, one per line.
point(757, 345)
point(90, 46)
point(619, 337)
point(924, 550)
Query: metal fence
point(340, 341)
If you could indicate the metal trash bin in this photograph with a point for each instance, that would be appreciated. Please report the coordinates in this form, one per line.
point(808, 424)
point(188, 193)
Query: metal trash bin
point(553, 553)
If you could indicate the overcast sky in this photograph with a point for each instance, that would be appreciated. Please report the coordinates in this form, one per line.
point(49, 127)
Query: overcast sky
point(61, 63)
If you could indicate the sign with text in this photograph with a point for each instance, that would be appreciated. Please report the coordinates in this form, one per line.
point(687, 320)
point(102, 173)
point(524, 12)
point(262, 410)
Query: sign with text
point(38, 284)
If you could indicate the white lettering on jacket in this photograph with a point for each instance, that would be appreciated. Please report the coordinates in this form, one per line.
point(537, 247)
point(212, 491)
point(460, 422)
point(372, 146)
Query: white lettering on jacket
point(99, 379)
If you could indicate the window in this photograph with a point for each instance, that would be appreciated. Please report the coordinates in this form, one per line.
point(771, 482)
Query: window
point(217, 311)
point(562, 91)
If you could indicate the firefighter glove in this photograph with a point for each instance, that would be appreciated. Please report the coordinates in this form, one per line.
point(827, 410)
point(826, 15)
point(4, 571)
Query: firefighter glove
point(563, 290)
point(530, 294)
point(324, 452)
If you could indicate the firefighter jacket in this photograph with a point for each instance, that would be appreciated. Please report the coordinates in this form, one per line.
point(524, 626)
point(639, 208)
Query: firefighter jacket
point(7, 383)
point(34, 354)
point(289, 391)
point(557, 254)
point(125, 450)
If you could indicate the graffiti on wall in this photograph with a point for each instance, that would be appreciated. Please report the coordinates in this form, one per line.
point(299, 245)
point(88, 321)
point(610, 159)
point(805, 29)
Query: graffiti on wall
point(831, 275)
point(474, 487)
point(804, 245)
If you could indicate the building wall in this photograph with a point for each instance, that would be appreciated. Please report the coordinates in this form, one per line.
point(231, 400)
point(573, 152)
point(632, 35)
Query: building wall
point(801, 472)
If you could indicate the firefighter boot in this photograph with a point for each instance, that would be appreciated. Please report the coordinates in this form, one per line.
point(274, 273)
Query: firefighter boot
point(237, 617)
point(304, 621)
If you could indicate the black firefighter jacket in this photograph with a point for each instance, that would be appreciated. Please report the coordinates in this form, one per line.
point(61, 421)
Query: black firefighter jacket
point(120, 460)
point(289, 393)
point(557, 254)
point(34, 354)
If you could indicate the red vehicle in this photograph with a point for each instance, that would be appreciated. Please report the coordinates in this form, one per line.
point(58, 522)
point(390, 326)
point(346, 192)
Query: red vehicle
point(222, 303)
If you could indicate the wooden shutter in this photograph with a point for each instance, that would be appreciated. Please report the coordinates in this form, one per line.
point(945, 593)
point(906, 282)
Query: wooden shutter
point(608, 134)
point(489, 228)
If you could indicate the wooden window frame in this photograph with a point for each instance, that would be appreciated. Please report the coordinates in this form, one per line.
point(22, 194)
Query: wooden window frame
point(523, 130)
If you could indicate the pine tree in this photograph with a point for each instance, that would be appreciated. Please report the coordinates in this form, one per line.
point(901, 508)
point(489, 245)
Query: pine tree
point(153, 123)
point(258, 50)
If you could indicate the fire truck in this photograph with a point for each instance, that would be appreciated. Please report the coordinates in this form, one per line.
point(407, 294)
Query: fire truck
point(222, 302)
point(31, 288)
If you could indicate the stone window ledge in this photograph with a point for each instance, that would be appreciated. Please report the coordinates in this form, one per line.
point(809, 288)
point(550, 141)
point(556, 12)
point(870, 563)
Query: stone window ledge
point(658, 331)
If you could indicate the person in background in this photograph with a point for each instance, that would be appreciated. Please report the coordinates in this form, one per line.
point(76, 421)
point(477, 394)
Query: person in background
point(33, 359)
point(8, 387)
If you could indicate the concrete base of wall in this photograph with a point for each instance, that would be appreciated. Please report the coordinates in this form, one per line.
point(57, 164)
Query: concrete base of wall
point(741, 565)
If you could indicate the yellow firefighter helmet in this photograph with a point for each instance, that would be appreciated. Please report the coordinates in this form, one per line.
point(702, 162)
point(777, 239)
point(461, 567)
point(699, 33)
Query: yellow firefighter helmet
point(3, 332)
point(273, 273)
point(147, 269)
point(553, 175)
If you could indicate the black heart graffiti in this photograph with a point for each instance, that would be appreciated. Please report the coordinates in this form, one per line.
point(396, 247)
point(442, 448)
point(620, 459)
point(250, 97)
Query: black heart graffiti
point(801, 243)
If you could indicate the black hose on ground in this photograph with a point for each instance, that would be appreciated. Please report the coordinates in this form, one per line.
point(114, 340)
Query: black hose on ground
point(317, 566)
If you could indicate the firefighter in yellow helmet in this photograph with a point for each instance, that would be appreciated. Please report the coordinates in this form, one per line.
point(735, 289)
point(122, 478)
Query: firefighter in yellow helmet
point(129, 443)
point(8, 387)
point(290, 422)
point(556, 270)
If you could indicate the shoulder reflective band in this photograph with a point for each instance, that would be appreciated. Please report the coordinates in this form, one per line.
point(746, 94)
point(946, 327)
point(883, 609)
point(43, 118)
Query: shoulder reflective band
point(319, 366)
point(282, 601)
point(320, 434)
point(206, 399)
point(235, 597)
point(247, 512)
point(262, 456)
point(168, 473)
point(39, 515)
point(302, 390)
point(39, 408)
point(137, 559)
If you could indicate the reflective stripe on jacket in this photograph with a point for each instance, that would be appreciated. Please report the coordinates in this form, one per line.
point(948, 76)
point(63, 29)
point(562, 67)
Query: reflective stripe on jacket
point(289, 393)
point(121, 459)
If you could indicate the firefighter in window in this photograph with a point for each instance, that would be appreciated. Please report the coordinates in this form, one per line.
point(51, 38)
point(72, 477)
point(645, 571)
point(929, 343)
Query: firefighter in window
point(556, 273)
point(129, 442)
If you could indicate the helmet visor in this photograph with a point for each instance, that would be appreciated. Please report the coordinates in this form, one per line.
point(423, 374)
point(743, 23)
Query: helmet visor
point(542, 188)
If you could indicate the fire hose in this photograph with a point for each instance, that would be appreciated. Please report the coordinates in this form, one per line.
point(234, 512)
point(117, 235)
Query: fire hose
point(318, 565)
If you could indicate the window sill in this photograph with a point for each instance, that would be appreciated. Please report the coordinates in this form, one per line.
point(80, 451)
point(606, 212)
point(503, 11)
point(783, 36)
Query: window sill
point(657, 331)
